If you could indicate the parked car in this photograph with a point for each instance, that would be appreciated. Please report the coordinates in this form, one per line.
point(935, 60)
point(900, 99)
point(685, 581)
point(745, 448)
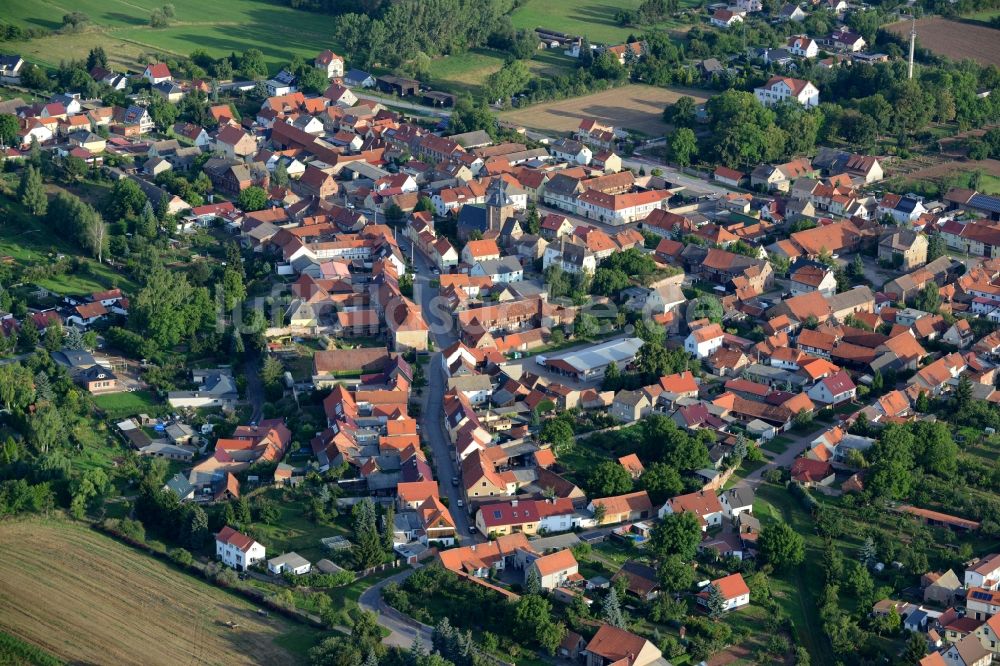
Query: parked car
point(454, 481)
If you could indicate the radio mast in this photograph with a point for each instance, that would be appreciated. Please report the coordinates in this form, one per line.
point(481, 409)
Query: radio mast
point(913, 42)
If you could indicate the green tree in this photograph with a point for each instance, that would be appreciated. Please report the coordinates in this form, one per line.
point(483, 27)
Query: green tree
point(677, 534)
point(611, 610)
point(532, 581)
point(608, 479)
point(252, 198)
point(781, 546)
point(125, 199)
point(31, 191)
point(716, 603)
point(9, 127)
point(558, 432)
point(928, 300)
point(682, 147)
point(682, 113)
point(675, 574)
point(661, 482)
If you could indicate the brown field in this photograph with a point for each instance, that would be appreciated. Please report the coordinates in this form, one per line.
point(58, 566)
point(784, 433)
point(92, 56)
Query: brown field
point(89, 599)
point(635, 107)
point(991, 167)
point(954, 39)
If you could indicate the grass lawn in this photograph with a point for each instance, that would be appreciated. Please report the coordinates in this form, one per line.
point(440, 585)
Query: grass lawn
point(745, 468)
point(777, 444)
point(29, 241)
point(294, 532)
point(797, 590)
point(581, 458)
point(594, 19)
point(119, 405)
point(464, 72)
point(345, 599)
point(121, 27)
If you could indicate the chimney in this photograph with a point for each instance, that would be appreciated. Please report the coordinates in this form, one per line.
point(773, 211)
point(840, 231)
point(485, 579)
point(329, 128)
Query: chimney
point(513, 502)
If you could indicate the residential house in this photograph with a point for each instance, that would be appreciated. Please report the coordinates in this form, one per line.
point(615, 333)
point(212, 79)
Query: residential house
point(614, 646)
point(984, 572)
point(726, 18)
point(833, 390)
point(704, 504)
point(782, 88)
point(236, 550)
point(235, 143)
point(904, 249)
point(803, 46)
point(640, 580)
point(734, 590)
point(555, 569)
point(704, 340)
point(630, 406)
point(329, 63)
point(157, 73)
point(622, 508)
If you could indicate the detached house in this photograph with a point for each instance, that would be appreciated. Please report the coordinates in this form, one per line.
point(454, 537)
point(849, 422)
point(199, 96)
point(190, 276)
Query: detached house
point(735, 592)
point(703, 341)
point(704, 504)
point(237, 550)
point(782, 88)
point(329, 63)
point(611, 645)
point(803, 46)
point(834, 389)
point(235, 143)
point(157, 73)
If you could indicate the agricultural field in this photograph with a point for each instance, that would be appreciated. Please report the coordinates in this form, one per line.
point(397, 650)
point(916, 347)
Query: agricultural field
point(635, 107)
point(958, 173)
point(954, 39)
point(593, 19)
point(121, 27)
point(129, 608)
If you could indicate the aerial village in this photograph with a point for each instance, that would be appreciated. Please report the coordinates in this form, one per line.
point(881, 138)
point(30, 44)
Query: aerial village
point(563, 402)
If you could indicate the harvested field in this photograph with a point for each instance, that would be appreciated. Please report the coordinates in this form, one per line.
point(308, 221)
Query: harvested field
point(635, 107)
point(954, 39)
point(86, 598)
point(991, 167)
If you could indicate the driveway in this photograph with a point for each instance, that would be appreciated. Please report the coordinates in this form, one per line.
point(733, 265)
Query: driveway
point(798, 446)
point(402, 629)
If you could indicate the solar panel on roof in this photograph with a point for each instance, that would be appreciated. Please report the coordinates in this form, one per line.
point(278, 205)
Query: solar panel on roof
point(982, 595)
point(985, 202)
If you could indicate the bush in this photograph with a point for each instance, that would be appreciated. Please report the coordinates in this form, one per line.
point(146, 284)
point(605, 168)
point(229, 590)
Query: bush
point(181, 557)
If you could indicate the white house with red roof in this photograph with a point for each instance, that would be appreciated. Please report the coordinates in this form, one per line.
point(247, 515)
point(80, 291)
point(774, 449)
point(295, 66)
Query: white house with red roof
point(984, 573)
point(833, 390)
point(726, 18)
point(237, 550)
point(330, 63)
point(802, 46)
point(157, 73)
point(704, 504)
point(703, 341)
point(782, 88)
point(734, 591)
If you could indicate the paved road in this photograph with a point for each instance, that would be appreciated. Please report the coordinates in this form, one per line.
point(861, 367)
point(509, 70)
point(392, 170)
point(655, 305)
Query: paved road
point(402, 630)
point(255, 389)
point(399, 104)
point(798, 446)
point(443, 334)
